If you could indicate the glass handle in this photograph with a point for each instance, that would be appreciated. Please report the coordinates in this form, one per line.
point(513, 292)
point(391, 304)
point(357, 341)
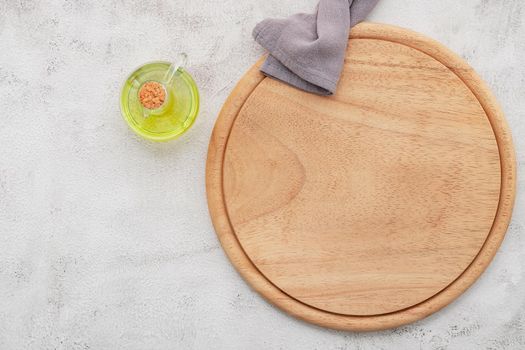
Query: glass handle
point(181, 61)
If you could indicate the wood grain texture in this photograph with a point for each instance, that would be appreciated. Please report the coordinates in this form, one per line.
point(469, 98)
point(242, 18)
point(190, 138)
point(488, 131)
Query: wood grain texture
point(374, 207)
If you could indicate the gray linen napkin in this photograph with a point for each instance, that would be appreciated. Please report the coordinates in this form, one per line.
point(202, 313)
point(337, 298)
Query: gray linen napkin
point(307, 50)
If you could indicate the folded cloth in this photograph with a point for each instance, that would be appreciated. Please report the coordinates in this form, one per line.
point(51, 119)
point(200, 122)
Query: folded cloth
point(307, 50)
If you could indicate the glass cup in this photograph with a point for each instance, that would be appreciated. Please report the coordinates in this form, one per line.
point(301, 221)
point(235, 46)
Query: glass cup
point(180, 102)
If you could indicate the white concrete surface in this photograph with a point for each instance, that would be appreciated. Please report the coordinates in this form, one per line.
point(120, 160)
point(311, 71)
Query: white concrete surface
point(105, 239)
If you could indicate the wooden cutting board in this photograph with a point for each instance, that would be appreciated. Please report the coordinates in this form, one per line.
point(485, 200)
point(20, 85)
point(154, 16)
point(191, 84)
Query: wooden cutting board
point(371, 208)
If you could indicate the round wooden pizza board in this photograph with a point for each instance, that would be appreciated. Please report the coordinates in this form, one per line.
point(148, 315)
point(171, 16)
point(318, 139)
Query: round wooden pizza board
point(371, 208)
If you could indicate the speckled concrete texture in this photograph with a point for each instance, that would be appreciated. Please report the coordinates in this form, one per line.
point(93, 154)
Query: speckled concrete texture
point(105, 239)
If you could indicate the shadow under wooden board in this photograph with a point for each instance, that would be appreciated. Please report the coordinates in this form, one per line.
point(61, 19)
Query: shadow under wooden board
point(372, 208)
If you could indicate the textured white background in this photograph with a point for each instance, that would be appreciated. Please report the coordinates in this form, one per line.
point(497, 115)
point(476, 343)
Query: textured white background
point(105, 239)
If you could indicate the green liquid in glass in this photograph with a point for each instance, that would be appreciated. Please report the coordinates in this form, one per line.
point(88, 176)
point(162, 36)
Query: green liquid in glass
point(174, 117)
